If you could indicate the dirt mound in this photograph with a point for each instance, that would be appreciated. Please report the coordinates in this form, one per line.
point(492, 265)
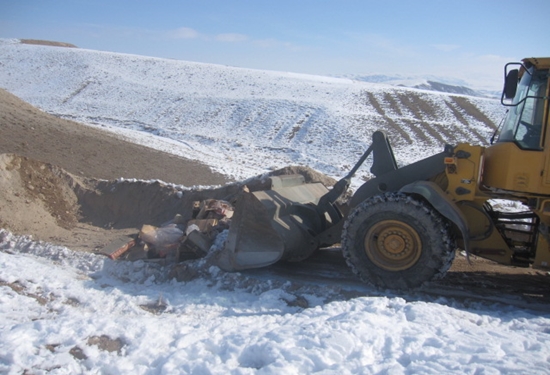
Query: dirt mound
point(37, 198)
point(47, 43)
point(310, 175)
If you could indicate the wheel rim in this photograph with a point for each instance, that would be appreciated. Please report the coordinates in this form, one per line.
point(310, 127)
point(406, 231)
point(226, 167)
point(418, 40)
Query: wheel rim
point(393, 245)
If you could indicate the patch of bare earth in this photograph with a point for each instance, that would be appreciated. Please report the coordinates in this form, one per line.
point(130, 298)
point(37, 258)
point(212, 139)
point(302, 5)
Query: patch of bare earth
point(90, 152)
point(47, 43)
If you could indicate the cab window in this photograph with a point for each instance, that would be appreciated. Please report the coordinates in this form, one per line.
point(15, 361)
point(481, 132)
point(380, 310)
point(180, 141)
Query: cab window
point(523, 123)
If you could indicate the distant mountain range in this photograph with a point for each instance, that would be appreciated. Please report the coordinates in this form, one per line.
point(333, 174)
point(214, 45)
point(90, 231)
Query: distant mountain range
point(430, 83)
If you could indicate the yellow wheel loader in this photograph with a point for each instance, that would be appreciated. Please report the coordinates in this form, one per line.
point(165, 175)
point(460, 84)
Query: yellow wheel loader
point(402, 228)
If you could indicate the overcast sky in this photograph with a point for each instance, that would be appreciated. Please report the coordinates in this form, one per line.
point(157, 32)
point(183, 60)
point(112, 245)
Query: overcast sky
point(467, 39)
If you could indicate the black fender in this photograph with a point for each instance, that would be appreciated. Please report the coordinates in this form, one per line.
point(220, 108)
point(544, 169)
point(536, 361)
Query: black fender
point(394, 180)
point(442, 204)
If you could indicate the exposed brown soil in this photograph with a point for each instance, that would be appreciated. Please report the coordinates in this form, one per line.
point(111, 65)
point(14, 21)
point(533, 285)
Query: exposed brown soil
point(57, 183)
point(47, 43)
point(90, 152)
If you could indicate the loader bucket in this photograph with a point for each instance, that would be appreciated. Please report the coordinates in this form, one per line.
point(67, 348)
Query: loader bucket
point(280, 223)
point(252, 242)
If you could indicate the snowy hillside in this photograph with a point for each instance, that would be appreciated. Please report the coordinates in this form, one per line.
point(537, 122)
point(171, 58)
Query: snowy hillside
point(241, 121)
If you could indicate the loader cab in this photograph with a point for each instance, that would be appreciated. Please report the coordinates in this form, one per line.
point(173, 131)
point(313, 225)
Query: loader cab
point(526, 100)
point(519, 160)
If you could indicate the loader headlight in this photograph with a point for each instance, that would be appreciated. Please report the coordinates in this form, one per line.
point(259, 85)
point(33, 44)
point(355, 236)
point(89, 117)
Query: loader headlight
point(451, 164)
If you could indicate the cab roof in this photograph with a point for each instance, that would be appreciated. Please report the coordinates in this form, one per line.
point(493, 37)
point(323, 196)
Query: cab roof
point(538, 62)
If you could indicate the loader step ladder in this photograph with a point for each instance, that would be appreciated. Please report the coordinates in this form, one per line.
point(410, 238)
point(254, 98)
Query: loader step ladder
point(519, 230)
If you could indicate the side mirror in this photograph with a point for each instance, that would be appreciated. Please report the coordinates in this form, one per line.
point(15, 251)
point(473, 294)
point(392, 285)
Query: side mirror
point(511, 84)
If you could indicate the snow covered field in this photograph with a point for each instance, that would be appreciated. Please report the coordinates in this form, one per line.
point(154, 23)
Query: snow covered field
point(67, 312)
point(55, 300)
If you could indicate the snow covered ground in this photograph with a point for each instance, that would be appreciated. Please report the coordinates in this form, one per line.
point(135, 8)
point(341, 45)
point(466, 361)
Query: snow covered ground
point(60, 309)
point(54, 300)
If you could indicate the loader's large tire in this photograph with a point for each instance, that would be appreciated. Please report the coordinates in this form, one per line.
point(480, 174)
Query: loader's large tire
point(397, 241)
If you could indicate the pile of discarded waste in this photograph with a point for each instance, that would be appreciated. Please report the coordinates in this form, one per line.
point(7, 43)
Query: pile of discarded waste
point(176, 240)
